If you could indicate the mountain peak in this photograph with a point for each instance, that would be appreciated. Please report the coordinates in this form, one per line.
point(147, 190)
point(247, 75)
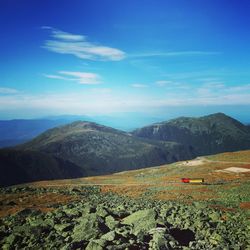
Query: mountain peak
point(207, 135)
point(81, 127)
point(218, 115)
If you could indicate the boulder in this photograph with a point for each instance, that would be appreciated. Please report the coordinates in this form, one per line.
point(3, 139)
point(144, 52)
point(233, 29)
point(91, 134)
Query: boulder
point(141, 221)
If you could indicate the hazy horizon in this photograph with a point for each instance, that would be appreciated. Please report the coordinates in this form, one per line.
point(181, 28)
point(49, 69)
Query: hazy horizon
point(130, 121)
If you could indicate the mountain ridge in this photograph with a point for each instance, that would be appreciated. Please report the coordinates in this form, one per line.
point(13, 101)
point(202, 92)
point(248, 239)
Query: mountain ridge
point(94, 149)
point(90, 144)
point(207, 135)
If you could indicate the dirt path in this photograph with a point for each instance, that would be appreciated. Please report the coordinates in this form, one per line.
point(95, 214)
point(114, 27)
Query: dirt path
point(227, 162)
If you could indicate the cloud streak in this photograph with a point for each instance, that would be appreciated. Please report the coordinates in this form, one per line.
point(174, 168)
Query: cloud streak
point(79, 77)
point(77, 45)
point(176, 54)
point(8, 91)
point(163, 83)
point(104, 101)
point(139, 85)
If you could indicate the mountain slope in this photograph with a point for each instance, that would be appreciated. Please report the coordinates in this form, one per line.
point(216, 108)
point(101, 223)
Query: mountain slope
point(206, 135)
point(140, 209)
point(17, 166)
point(86, 148)
point(103, 149)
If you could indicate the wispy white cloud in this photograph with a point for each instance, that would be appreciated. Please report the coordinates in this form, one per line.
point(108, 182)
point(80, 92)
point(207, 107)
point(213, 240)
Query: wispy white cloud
point(96, 100)
point(211, 89)
point(215, 85)
point(58, 34)
point(200, 76)
point(173, 85)
point(104, 101)
point(139, 85)
point(79, 77)
point(77, 45)
point(8, 91)
point(240, 88)
point(56, 77)
point(83, 77)
point(163, 83)
point(175, 54)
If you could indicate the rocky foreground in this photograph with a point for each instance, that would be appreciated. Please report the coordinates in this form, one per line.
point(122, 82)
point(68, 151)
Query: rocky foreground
point(108, 221)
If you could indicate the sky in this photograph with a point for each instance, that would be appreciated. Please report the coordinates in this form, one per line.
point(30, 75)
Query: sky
point(151, 58)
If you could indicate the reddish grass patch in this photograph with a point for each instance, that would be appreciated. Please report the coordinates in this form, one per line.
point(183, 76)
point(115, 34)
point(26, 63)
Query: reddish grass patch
point(13, 203)
point(127, 190)
point(245, 205)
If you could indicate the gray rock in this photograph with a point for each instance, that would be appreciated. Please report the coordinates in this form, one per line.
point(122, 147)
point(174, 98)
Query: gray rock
point(110, 236)
point(142, 221)
point(86, 229)
point(110, 222)
point(63, 227)
point(97, 244)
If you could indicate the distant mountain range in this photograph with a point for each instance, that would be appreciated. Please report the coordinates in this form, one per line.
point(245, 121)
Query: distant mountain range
point(14, 132)
point(87, 148)
point(99, 149)
point(206, 135)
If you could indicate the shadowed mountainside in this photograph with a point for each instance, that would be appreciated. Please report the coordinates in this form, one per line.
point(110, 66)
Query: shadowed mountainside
point(26, 166)
point(103, 149)
point(206, 135)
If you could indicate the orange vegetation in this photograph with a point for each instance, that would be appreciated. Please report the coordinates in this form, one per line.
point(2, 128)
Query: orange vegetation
point(13, 203)
point(127, 190)
point(245, 205)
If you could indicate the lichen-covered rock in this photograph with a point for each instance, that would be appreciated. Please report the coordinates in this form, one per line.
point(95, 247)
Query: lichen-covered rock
point(110, 236)
point(63, 227)
point(158, 242)
point(96, 244)
point(87, 228)
point(96, 222)
point(142, 220)
point(101, 211)
point(110, 222)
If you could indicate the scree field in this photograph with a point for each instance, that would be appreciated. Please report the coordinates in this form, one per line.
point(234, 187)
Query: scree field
point(142, 209)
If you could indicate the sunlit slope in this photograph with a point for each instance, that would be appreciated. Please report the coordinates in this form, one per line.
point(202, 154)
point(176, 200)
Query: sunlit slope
point(135, 208)
point(226, 175)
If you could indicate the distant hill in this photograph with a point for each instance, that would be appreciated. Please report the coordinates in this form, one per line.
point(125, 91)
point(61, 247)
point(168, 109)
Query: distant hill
point(103, 149)
point(14, 132)
point(206, 135)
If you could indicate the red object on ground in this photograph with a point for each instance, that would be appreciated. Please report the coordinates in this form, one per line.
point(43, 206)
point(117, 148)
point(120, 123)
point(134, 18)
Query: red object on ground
point(185, 180)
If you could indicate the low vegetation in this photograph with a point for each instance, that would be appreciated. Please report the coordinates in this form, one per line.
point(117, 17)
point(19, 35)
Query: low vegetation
point(103, 220)
point(140, 209)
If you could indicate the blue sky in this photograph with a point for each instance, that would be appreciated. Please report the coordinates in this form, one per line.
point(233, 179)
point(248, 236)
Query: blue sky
point(159, 58)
